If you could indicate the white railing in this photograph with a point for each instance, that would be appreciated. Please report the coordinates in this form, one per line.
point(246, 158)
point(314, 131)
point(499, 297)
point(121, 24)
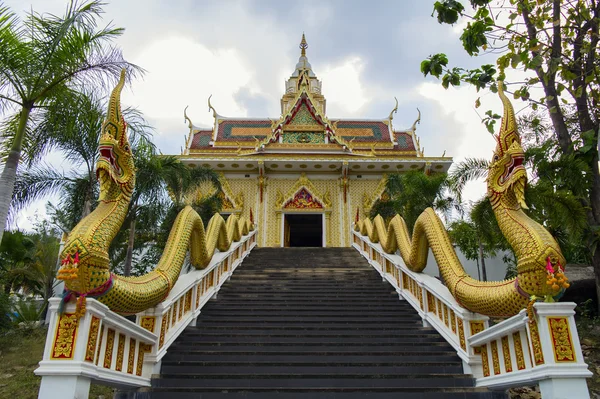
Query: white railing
point(106, 348)
point(514, 352)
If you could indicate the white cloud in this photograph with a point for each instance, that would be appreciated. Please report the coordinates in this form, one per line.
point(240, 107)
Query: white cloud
point(342, 87)
point(183, 72)
point(458, 104)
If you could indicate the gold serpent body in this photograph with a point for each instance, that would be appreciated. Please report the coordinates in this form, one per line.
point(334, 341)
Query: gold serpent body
point(85, 265)
point(538, 254)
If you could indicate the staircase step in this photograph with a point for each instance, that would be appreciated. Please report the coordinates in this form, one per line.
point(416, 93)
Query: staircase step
point(310, 323)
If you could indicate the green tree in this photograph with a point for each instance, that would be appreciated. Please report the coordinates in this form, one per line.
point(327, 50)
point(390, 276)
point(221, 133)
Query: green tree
point(409, 194)
point(41, 60)
point(17, 252)
point(74, 130)
point(152, 170)
point(45, 262)
point(556, 43)
point(555, 193)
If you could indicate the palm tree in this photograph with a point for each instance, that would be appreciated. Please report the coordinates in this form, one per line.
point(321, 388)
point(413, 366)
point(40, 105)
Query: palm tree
point(553, 194)
point(41, 61)
point(74, 130)
point(151, 172)
point(17, 251)
point(409, 194)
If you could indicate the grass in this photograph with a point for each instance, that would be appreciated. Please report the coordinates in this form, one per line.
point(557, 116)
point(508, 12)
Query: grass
point(20, 353)
point(589, 336)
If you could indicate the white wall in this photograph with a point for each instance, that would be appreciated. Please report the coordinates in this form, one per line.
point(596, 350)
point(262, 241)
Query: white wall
point(495, 267)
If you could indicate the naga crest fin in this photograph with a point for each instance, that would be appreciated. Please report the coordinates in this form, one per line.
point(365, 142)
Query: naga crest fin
point(508, 128)
point(115, 123)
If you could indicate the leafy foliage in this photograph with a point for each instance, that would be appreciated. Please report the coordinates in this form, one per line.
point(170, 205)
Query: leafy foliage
point(44, 59)
point(409, 194)
point(554, 45)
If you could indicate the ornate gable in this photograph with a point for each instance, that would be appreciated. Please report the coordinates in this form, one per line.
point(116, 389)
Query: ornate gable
point(231, 203)
point(303, 195)
point(303, 200)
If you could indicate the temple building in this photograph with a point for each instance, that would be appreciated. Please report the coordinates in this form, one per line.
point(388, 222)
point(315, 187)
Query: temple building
point(303, 177)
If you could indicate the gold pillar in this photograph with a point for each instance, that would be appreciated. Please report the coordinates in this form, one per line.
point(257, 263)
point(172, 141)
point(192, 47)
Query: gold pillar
point(328, 229)
point(278, 239)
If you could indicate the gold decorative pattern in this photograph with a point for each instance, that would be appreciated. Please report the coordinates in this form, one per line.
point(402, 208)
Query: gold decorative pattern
point(506, 354)
point(461, 334)
point(99, 344)
point(163, 330)
point(65, 337)
point(120, 352)
point(148, 322)
point(485, 361)
point(453, 321)
point(142, 350)
point(430, 302)
point(131, 356)
point(519, 351)
point(85, 264)
point(538, 254)
point(92, 339)
point(495, 360)
point(562, 343)
point(110, 343)
point(188, 301)
point(476, 327)
point(536, 344)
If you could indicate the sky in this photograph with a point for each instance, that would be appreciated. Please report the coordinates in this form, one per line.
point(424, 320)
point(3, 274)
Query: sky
point(241, 52)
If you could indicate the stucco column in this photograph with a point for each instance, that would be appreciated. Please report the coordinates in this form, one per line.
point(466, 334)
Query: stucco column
point(278, 242)
point(328, 229)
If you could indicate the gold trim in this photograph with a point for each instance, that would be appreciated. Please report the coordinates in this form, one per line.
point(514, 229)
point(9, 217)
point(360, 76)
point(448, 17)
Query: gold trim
point(485, 361)
point(536, 344)
point(495, 360)
point(506, 354)
point(92, 339)
point(131, 356)
point(120, 352)
point(148, 322)
point(562, 343)
point(519, 351)
point(461, 334)
point(65, 337)
point(110, 344)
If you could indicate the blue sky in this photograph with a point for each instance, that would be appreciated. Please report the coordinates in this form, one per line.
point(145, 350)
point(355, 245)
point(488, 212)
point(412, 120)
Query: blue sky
point(241, 52)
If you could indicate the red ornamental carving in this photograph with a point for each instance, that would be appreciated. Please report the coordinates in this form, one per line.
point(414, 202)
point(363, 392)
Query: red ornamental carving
point(303, 200)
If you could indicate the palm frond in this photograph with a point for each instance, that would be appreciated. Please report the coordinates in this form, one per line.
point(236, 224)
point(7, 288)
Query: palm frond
point(468, 170)
point(36, 183)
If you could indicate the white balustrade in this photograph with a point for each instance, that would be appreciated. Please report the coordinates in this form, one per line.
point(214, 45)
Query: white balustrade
point(106, 348)
point(515, 352)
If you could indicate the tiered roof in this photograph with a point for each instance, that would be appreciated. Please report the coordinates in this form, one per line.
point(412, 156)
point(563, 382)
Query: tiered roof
point(304, 129)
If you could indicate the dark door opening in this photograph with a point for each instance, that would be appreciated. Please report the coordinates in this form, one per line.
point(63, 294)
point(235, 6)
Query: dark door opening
point(304, 230)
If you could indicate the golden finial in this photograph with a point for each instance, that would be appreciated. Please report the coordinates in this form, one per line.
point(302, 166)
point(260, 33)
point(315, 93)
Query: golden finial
point(303, 45)
point(414, 125)
point(394, 110)
point(187, 118)
point(508, 130)
point(210, 107)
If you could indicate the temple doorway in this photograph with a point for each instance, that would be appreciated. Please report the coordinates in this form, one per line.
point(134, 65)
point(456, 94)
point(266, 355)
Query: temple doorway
point(303, 230)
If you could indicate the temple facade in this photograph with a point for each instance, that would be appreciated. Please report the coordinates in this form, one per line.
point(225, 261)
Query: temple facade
point(303, 177)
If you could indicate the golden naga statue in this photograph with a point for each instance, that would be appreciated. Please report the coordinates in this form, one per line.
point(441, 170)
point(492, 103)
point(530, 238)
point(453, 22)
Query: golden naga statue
point(540, 263)
point(85, 265)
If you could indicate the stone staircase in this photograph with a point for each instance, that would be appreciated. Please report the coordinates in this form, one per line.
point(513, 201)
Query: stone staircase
point(310, 323)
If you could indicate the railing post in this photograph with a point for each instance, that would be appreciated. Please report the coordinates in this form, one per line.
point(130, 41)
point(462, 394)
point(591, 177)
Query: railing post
point(554, 342)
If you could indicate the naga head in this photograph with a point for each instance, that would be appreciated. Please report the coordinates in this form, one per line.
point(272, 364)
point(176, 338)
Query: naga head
point(115, 168)
point(507, 174)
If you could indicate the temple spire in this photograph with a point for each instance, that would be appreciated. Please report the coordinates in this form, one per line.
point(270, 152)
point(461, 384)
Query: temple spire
point(303, 46)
